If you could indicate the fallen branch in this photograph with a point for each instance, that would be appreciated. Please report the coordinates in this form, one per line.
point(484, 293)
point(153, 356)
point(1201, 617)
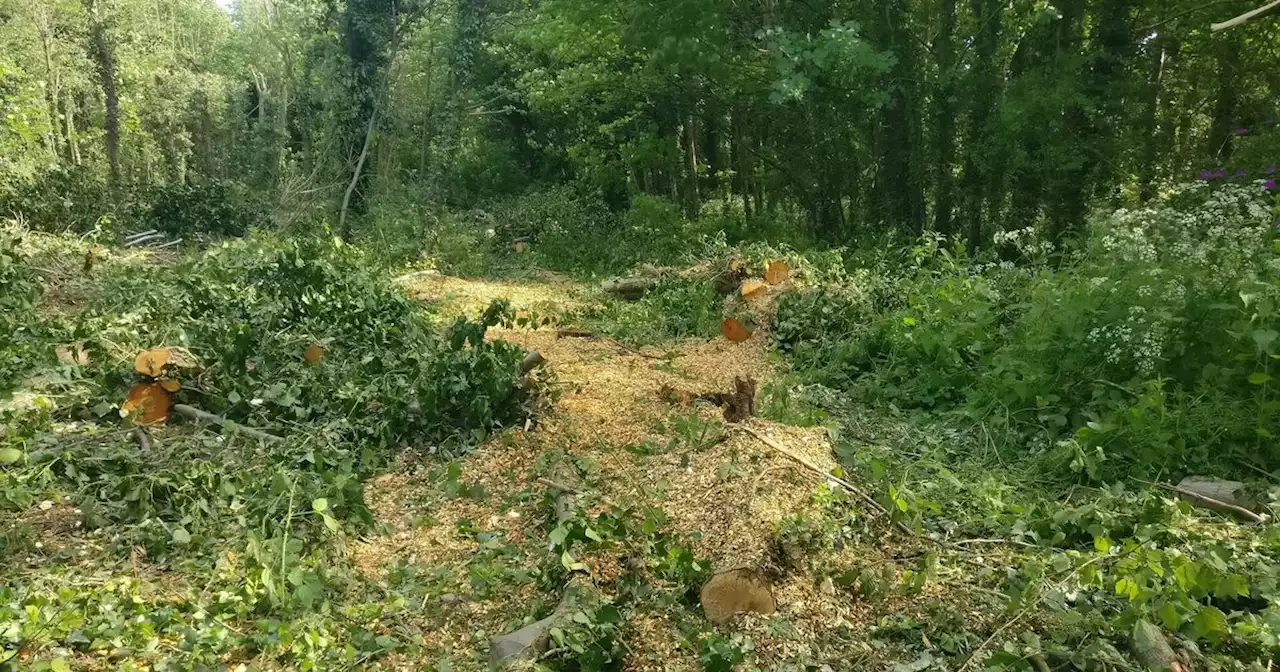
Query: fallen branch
point(228, 425)
point(1211, 502)
point(530, 362)
point(816, 469)
point(144, 239)
point(533, 642)
point(134, 236)
point(143, 439)
point(415, 274)
point(575, 333)
point(169, 244)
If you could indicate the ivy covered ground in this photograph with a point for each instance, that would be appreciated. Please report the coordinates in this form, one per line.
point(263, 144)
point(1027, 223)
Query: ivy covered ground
point(953, 461)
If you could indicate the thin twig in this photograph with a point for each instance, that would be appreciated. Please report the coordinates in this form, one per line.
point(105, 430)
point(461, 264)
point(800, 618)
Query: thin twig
point(816, 469)
point(551, 653)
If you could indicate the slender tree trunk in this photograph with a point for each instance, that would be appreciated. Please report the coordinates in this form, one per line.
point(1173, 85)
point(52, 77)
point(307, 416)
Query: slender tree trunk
point(71, 143)
point(1150, 110)
point(103, 54)
point(979, 180)
point(944, 117)
point(901, 195)
point(1227, 102)
point(693, 202)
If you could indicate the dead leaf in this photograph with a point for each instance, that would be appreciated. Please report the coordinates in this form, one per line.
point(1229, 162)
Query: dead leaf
point(146, 403)
point(776, 272)
point(520, 246)
point(313, 353)
point(151, 362)
point(752, 289)
point(734, 331)
point(170, 384)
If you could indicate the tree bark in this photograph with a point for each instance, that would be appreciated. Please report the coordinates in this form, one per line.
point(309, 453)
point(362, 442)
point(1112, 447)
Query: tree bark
point(944, 117)
point(1225, 105)
point(1150, 112)
point(103, 53)
point(978, 179)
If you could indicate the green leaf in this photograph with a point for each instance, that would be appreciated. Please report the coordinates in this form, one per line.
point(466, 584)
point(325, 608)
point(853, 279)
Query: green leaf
point(10, 455)
point(181, 536)
point(570, 564)
point(1128, 588)
point(559, 535)
point(1210, 624)
point(59, 665)
point(1264, 338)
point(330, 522)
point(1258, 377)
point(593, 535)
point(320, 505)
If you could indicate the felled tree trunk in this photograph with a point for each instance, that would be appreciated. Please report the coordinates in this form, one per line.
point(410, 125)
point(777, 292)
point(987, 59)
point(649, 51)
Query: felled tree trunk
point(727, 274)
point(529, 643)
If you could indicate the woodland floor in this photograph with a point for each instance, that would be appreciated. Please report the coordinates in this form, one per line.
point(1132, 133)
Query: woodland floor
point(726, 496)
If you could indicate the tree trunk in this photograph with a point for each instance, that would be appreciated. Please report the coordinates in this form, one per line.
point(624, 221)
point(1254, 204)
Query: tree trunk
point(1150, 111)
point(978, 179)
point(693, 201)
point(1227, 102)
point(944, 117)
point(103, 54)
point(901, 197)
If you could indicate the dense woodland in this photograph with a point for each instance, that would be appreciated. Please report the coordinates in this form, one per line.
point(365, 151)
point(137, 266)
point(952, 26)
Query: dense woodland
point(962, 118)
point(649, 335)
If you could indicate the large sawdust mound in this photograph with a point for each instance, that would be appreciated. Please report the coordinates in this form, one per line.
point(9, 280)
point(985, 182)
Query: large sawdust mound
point(610, 401)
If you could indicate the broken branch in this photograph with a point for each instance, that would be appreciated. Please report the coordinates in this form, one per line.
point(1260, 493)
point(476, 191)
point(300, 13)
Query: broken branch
point(228, 425)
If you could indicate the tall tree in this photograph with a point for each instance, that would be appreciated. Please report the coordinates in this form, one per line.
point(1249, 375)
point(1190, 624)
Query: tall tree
point(102, 51)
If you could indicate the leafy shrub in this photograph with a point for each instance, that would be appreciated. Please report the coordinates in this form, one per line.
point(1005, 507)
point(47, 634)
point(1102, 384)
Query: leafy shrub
point(249, 310)
point(1147, 347)
point(19, 292)
point(62, 198)
point(219, 208)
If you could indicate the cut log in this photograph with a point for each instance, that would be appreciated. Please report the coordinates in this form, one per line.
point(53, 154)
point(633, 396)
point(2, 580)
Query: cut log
point(1216, 494)
point(629, 289)
point(528, 644)
point(1152, 648)
point(737, 591)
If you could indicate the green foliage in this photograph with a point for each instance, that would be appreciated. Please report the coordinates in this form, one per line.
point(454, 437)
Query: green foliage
point(249, 309)
point(217, 208)
point(74, 198)
point(19, 292)
point(1143, 350)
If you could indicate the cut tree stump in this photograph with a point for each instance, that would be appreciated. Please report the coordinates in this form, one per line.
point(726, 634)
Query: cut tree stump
point(741, 403)
point(528, 644)
point(737, 591)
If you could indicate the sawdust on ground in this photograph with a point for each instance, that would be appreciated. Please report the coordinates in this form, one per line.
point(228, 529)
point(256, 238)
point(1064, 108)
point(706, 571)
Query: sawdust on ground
point(726, 497)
